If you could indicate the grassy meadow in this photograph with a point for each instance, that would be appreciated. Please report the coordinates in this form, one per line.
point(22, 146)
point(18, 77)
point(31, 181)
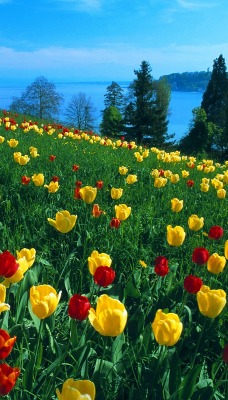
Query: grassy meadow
point(182, 356)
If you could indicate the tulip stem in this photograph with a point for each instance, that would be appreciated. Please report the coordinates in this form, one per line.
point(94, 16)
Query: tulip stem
point(198, 343)
point(36, 367)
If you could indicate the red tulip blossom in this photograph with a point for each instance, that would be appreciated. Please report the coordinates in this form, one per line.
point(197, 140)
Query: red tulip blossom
point(6, 344)
point(8, 378)
point(190, 183)
point(161, 266)
point(225, 354)
point(200, 255)
point(104, 276)
point(96, 211)
point(52, 158)
point(99, 184)
point(192, 284)
point(78, 184)
point(77, 194)
point(161, 172)
point(8, 264)
point(25, 180)
point(215, 232)
point(75, 167)
point(78, 307)
point(55, 178)
point(115, 223)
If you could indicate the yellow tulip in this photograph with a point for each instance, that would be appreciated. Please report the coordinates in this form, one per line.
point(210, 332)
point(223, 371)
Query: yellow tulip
point(110, 317)
point(53, 187)
point(195, 223)
point(38, 179)
point(123, 170)
point(98, 260)
point(88, 194)
point(77, 390)
point(122, 211)
point(174, 178)
point(204, 187)
point(216, 263)
point(23, 160)
point(33, 151)
point(221, 193)
point(226, 249)
point(175, 236)
point(160, 182)
point(211, 302)
point(176, 205)
point(167, 328)
point(116, 193)
point(2, 139)
point(16, 156)
point(28, 254)
point(184, 173)
point(131, 179)
point(19, 274)
point(3, 306)
point(44, 300)
point(12, 142)
point(64, 221)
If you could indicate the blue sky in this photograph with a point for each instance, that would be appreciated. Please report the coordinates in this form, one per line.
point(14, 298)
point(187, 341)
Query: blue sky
point(87, 40)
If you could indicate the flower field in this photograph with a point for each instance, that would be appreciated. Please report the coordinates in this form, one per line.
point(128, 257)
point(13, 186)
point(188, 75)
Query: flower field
point(113, 264)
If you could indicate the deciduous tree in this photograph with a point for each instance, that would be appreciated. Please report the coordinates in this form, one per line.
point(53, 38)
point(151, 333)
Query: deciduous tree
point(80, 112)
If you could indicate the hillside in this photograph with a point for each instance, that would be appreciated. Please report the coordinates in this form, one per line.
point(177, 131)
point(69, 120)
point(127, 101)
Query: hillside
point(188, 81)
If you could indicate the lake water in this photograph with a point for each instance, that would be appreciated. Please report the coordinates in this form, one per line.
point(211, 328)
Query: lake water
point(181, 104)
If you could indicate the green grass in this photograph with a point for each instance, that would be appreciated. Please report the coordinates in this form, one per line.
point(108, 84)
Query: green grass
point(132, 365)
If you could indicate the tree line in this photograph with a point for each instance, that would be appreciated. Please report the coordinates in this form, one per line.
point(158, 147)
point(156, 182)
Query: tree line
point(142, 113)
point(188, 81)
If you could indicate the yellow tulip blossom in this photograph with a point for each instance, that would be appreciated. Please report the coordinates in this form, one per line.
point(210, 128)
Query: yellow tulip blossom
point(64, 221)
point(184, 173)
point(3, 306)
point(2, 139)
point(12, 142)
point(211, 301)
point(175, 236)
point(110, 316)
point(204, 187)
point(23, 160)
point(116, 193)
point(77, 390)
point(167, 328)
point(176, 204)
point(28, 254)
point(195, 223)
point(17, 156)
point(226, 249)
point(97, 260)
point(88, 194)
point(53, 187)
point(38, 179)
point(160, 182)
point(122, 211)
point(216, 263)
point(221, 193)
point(174, 178)
point(131, 179)
point(44, 300)
point(123, 170)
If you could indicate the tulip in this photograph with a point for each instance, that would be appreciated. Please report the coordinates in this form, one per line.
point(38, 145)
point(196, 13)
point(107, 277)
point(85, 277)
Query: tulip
point(2, 139)
point(122, 211)
point(190, 183)
point(28, 254)
point(8, 378)
point(184, 173)
point(176, 205)
point(110, 317)
point(131, 179)
point(200, 255)
point(44, 300)
point(221, 193)
point(3, 306)
point(174, 178)
point(123, 170)
point(52, 187)
point(175, 236)
point(211, 302)
point(215, 232)
point(216, 263)
point(204, 187)
point(16, 156)
point(160, 182)
point(96, 212)
point(167, 328)
point(52, 157)
point(12, 142)
point(161, 266)
point(38, 179)
point(88, 194)
point(75, 167)
point(192, 284)
point(55, 178)
point(6, 344)
point(225, 354)
point(96, 260)
point(8, 264)
point(64, 222)
point(226, 249)
point(25, 180)
point(116, 193)
point(195, 223)
point(99, 184)
point(115, 223)
point(77, 390)
point(24, 265)
point(78, 307)
point(104, 276)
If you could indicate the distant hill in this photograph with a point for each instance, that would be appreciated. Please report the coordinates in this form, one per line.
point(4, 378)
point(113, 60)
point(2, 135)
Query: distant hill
point(188, 81)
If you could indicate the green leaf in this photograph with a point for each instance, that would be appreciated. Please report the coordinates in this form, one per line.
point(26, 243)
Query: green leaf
point(187, 385)
point(175, 373)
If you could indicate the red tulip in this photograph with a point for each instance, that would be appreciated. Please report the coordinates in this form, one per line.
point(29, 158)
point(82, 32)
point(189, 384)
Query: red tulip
point(52, 158)
point(25, 180)
point(78, 184)
point(6, 344)
point(200, 255)
point(78, 307)
point(115, 223)
point(161, 260)
point(55, 178)
point(161, 266)
point(99, 184)
point(225, 354)
point(8, 378)
point(215, 232)
point(77, 194)
point(104, 276)
point(8, 264)
point(75, 167)
point(190, 182)
point(192, 284)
